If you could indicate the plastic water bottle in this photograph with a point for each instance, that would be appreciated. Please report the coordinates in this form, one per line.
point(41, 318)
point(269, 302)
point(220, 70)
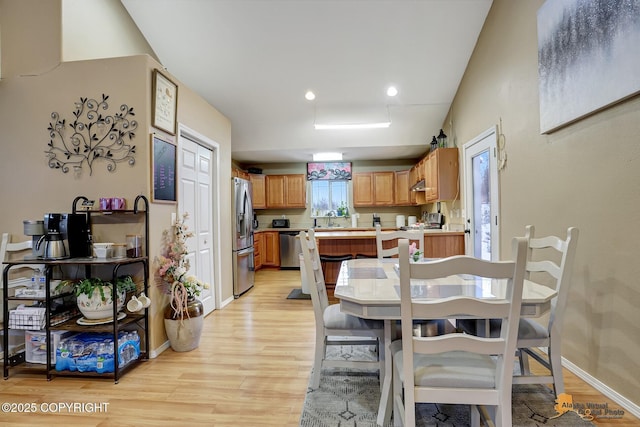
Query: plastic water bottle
point(101, 356)
point(37, 279)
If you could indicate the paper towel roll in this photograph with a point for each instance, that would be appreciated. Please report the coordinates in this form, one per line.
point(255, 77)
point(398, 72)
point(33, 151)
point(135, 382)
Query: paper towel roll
point(411, 220)
point(399, 221)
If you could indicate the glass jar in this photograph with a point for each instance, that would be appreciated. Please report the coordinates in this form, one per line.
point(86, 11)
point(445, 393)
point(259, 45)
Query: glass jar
point(134, 246)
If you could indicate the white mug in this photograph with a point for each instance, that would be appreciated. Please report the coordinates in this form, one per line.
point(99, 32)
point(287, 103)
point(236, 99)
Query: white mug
point(144, 300)
point(134, 305)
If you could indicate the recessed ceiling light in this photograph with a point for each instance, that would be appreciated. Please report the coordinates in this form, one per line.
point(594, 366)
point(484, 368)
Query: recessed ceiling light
point(310, 96)
point(392, 91)
point(323, 157)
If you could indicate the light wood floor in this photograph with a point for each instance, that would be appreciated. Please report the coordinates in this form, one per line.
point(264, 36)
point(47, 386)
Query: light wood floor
point(251, 369)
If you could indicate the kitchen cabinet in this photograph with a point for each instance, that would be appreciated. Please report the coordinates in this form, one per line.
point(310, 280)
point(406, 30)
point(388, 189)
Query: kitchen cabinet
point(270, 249)
point(286, 191)
point(373, 189)
point(403, 194)
point(122, 323)
point(441, 175)
point(258, 185)
point(239, 173)
point(258, 249)
point(440, 170)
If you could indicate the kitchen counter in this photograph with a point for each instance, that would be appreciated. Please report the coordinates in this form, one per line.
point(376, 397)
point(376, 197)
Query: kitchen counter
point(354, 233)
point(351, 233)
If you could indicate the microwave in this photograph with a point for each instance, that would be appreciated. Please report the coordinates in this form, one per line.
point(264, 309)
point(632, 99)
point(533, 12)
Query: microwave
point(280, 223)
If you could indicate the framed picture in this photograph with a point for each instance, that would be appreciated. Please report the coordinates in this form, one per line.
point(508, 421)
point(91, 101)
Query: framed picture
point(165, 103)
point(163, 170)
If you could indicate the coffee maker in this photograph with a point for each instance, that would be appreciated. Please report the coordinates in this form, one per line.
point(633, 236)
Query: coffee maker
point(66, 235)
point(35, 229)
point(76, 229)
point(376, 219)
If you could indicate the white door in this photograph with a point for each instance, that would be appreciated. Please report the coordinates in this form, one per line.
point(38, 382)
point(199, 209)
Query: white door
point(195, 198)
point(482, 196)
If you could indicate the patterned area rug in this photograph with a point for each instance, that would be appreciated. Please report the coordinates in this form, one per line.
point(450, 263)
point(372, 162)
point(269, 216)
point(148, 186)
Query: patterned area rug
point(349, 398)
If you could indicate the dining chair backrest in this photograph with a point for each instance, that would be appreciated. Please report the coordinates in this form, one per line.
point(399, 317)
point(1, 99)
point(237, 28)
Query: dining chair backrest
point(315, 276)
point(416, 236)
point(453, 388)
point(7, 249)
point(561, 271)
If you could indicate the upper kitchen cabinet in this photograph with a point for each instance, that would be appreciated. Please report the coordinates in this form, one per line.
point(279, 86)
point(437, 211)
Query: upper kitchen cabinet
point(403, 194)
point(441, 175)
point(258, 185)
point(239, 173)
point(373, 189)
point(286, 191)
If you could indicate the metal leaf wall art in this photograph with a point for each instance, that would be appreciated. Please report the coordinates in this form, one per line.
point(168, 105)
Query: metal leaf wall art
point(92, 137)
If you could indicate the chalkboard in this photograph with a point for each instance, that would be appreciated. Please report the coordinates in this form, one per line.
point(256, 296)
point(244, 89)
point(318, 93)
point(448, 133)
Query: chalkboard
point(163, 170)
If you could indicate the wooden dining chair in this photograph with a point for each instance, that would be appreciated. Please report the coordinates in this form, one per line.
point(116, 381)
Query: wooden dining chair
point(333, 327)
point(385, 236)
point(533, 335)
point(25, 271)
point(457, 368)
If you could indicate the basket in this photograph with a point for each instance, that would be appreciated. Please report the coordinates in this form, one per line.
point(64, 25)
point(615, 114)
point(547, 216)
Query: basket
point(27, 318)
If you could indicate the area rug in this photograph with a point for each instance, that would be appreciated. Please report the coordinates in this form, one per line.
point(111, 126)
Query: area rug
point(349, 398)
point(298, 294)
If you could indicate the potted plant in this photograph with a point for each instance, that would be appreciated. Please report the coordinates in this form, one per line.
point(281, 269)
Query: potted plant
point(184, 314)
point(94, 298)
point(342, 209)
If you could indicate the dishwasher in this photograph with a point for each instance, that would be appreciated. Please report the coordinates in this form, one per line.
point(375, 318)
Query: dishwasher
point(289, 250)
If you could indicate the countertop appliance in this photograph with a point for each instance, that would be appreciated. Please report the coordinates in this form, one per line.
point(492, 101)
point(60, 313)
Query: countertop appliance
point(242, 214)
point(376, 219)
point(289, 250)
point(280, 223)
point(434, 220)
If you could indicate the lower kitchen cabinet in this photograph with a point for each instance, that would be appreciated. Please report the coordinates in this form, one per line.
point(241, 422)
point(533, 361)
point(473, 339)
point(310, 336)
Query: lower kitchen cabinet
point(270, 249)
point(257, 251)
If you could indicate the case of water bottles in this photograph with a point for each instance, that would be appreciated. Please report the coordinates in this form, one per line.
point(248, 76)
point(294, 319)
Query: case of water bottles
point(94, 352)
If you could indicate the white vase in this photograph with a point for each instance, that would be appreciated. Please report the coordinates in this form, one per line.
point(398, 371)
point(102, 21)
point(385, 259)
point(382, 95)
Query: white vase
point(184, 333)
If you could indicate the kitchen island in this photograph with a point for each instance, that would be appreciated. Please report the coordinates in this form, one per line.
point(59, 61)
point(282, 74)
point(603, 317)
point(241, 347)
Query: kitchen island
point(337, 244)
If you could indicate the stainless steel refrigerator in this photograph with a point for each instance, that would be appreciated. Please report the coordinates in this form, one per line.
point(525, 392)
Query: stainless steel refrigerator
point(242, 214)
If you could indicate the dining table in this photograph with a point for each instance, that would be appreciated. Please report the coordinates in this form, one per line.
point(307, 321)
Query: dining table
point(370, 288)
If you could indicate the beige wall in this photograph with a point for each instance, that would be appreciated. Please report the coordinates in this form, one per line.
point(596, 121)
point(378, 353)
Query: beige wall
point(584, 175)
point(31, 90)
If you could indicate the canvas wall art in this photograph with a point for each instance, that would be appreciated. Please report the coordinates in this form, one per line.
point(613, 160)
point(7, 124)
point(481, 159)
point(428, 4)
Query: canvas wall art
point(588, 57)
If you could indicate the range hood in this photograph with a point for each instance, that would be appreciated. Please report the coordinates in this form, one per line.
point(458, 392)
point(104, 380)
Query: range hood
point(419, 186)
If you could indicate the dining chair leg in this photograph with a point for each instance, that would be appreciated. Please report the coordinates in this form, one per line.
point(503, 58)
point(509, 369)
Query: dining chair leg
point(320, 352)
point(555, 362)
point(386, 400)
point(523, 358)
point(475, 416)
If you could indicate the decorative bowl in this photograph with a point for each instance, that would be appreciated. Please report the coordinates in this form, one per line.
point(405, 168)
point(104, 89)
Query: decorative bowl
point(95, 308)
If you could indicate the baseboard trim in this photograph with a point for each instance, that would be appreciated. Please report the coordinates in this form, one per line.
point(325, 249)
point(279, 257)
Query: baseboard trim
point(156, 352)
point(226, 302)
point(625, 403)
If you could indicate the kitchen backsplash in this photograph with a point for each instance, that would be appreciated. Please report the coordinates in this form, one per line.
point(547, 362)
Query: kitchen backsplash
point(301, 219)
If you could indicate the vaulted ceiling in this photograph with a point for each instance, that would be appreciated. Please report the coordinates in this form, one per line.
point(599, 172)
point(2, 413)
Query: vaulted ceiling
point(254, 60)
